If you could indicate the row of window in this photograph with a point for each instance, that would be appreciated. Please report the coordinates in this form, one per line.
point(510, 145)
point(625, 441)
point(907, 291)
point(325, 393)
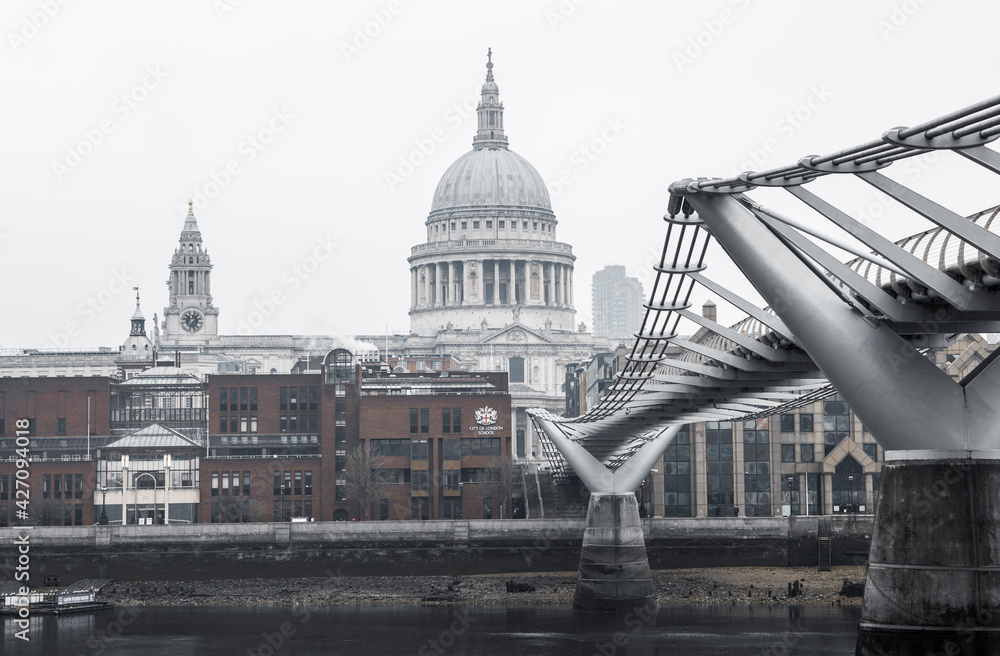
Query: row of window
point(238, 399)
point(298, 398)
point(420, 420)
point(501, 224)
point(807, 452)
point(52, 514)
point(450, 449)
point(61, 486)
point(237, 423)
point(221, 484)
point(293, 483)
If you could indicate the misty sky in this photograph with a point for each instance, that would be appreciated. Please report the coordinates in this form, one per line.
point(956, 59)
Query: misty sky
point(312, 135)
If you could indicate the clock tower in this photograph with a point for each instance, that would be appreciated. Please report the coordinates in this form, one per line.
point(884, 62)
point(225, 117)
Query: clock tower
point(190, 318)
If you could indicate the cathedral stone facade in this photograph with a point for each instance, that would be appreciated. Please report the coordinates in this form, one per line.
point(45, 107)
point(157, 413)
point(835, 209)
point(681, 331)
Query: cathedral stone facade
point(492, 287)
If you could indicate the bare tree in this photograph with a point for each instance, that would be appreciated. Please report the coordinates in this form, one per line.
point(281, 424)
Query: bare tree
point(47, 512)
point(366, 478)
point(497, 479)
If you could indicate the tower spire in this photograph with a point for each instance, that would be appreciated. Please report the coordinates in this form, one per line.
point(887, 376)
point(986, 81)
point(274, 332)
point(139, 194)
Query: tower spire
point(490, 133)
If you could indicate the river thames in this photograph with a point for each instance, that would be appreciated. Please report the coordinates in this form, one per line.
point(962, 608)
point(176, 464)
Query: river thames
point(439, 630)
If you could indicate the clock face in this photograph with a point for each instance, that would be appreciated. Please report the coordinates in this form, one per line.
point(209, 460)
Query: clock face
point(192, 321)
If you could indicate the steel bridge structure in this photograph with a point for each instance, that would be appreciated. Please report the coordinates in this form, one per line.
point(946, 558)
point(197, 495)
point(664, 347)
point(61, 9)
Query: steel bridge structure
point(863, 327)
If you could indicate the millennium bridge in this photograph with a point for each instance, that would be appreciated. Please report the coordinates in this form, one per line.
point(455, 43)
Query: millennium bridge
point(863, 328)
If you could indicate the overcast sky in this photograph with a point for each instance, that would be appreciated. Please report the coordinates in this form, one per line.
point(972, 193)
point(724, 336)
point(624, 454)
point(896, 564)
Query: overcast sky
point(116, 113)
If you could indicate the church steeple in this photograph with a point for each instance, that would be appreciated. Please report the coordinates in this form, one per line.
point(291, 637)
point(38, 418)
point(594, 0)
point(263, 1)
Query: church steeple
point(490, 110)
point(190, 317)
point(138, 321)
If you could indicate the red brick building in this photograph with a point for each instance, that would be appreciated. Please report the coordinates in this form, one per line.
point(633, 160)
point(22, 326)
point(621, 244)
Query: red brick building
point(165, 446)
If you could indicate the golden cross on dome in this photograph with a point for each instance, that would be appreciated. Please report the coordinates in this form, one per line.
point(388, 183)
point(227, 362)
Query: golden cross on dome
point(136, 288)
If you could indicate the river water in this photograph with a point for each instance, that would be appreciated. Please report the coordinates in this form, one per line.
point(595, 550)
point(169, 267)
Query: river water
point(438, 631)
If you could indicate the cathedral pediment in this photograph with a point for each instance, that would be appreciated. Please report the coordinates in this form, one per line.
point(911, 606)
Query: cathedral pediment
point(516, 333)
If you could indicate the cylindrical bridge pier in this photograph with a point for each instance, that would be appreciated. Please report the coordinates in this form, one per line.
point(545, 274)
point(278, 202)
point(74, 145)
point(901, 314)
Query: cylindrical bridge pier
point(934, 565)
point(614, 569)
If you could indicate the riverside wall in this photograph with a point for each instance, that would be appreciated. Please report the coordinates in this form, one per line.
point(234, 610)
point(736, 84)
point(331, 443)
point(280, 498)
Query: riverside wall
point(264, 550)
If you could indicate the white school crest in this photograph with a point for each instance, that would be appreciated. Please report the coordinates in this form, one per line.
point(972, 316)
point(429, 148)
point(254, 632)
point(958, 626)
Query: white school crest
point(486, 416)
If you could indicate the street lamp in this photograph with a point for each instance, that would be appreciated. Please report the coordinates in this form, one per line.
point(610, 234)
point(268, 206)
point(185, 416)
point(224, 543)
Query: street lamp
point(104, 516)
point(791, 489)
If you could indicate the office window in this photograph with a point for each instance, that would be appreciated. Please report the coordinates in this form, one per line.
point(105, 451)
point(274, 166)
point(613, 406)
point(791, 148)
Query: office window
point(223, 423)
point(225, 483)
point(871, 450)
point(57, 486)
point(418, 450)
point(487, 508)
point(4, 488)
point(451, 449)
point(78, 487)
point(788, 452)
point(414, 420)
point(308, 482)
point(253, 399)
point(445, 420)
point(223, 399)
point(806, 423)
point(807, 452)
point(283, 398)
point(61, 430)
point(277, 483)
point(757, 468)
point(677, 475)
point(246, 483)
point(500, 225)
point(456, 420)
point(244, 394)
point(215, 484)
point(313, 398)
point(390, 448)
point(788, 423)
point(293, 398)
point(233, 395)
point(475, 225)
point(298, 483)
point(418, 480)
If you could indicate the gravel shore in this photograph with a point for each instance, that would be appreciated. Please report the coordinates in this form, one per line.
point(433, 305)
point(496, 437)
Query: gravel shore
point(723, 585)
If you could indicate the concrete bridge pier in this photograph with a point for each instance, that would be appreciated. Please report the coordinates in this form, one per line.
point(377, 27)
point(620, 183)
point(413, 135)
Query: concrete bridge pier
point(614, 569)
point(933, 584)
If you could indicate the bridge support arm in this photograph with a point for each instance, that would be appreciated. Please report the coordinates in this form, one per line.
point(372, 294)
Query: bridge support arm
point(903, 398)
